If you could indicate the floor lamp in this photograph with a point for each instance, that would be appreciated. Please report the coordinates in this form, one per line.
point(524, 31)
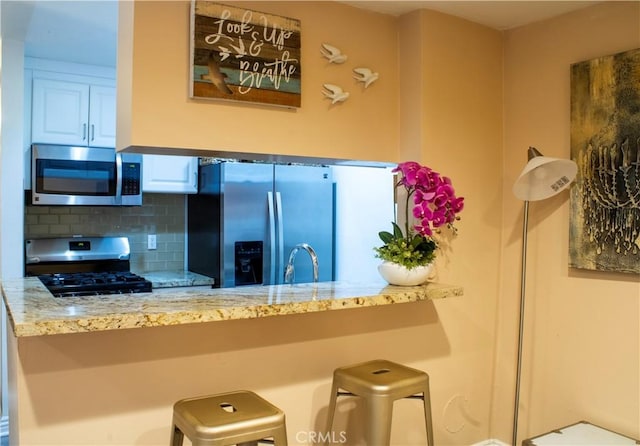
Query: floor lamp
point(541, 178)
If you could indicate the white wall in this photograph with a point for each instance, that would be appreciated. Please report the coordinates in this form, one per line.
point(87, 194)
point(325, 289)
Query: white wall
point(12, 160)
point(365, 206)
point(11, 197)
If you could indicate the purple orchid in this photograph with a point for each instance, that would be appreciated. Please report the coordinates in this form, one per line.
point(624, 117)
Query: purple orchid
point(435, 203)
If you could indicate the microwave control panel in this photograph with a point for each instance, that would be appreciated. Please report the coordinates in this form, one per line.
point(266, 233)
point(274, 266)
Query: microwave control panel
point(130, 178)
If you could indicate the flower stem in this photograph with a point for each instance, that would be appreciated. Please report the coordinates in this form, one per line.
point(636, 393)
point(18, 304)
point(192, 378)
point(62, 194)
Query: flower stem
point(406, 214)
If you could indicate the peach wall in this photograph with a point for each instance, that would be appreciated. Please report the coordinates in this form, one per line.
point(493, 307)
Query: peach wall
point(118, 387)
point(290, 359)
point(453, 123)
point(582, 360)
point(363, 127)
point(582, 329)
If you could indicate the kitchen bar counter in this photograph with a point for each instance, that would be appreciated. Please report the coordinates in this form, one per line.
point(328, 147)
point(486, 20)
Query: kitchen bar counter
point(33, 311)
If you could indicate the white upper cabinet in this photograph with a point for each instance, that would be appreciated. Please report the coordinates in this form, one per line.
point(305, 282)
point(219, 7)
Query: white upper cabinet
point(73, 104)
point(102, 116)
point(170, 174)
point(73, 113)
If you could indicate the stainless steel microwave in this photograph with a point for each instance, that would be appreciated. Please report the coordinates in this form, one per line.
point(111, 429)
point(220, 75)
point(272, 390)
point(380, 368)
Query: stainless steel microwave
point(90, 176)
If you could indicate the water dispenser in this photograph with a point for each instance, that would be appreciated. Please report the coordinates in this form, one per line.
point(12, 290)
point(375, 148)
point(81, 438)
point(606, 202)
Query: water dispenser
point(248, 263)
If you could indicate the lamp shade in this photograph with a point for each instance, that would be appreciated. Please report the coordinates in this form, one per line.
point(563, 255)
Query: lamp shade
point(543, 177)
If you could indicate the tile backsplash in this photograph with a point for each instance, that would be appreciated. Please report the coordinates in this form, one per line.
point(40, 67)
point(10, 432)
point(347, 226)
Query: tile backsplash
point(160, 214)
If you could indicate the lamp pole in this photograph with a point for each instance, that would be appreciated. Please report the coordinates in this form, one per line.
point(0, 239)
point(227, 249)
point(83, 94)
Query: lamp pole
point(541, 178)
point(523, 280)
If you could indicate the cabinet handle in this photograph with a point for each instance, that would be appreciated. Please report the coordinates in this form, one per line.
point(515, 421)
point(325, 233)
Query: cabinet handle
point(84, 131)
point(93, 132)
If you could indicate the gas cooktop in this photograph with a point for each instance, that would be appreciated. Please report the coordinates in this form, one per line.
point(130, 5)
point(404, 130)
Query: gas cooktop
point(89, 283)
point(84, 266)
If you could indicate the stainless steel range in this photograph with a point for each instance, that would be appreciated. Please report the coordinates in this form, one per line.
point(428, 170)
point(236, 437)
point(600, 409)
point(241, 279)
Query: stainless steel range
point(83, 266)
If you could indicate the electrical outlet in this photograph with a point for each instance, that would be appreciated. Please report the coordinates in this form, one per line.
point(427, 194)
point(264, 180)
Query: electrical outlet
point(151, 241)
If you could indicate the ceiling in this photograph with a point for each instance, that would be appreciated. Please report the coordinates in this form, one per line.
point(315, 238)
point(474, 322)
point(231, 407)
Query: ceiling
point(500, 15)
point(81, 31)
point(85, 31)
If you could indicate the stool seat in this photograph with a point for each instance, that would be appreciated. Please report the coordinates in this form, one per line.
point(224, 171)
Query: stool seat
point(227, 419)
point(380, 382)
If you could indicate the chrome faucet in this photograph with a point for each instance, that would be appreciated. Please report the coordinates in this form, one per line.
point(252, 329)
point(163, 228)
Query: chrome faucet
point(289, 271)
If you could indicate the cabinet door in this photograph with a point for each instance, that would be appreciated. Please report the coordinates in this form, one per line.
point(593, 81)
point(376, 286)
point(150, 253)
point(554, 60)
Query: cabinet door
point(60, 112)
point(171, 174)
point(102, 116)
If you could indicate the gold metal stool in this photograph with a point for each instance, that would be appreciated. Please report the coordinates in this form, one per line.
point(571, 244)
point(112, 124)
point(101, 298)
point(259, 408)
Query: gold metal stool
point(380, 383)
point(228, 419)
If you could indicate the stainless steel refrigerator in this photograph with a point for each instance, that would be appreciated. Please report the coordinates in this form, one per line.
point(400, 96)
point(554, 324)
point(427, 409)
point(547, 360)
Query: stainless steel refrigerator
point(247, 217)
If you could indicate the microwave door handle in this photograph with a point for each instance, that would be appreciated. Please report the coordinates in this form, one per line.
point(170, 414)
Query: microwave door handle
point(118, 197)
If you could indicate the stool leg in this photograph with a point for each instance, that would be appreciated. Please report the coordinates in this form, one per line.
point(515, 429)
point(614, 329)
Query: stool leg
point(427, 417)
point(177, 436)
point(332, 408)
point(378, 429)
point(280, 437)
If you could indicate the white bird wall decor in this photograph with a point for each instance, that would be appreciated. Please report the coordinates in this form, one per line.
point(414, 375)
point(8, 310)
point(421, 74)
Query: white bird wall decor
point(335, 93)
point(365, 75)
point(333, 54)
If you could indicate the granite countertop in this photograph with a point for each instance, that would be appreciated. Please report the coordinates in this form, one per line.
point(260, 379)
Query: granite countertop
point(33, 311)
point(169, 279)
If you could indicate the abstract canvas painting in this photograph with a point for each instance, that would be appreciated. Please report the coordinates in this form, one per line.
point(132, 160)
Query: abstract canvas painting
point(605, 143)
point(242, 55)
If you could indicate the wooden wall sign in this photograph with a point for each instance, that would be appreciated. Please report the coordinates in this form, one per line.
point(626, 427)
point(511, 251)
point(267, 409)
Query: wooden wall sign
point(243, 55)
point(605, 143)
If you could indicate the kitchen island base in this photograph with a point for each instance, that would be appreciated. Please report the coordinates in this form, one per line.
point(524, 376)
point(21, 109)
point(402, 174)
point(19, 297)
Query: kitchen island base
point(117, 386)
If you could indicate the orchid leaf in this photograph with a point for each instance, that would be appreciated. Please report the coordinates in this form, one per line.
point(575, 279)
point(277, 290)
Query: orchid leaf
point(397, 232)
point(386, 236)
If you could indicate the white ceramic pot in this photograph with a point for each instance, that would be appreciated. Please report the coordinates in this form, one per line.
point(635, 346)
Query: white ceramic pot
point(397, 274)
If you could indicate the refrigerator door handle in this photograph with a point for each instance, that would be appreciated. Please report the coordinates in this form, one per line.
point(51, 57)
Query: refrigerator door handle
point(272, 238)
point(280, 223)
